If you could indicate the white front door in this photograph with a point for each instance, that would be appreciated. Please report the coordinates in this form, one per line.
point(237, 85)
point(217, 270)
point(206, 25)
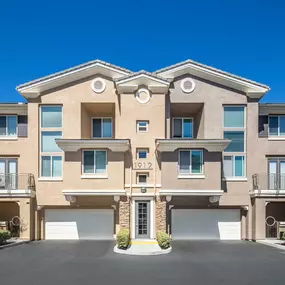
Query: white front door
point(75, 224)
point(221, 224)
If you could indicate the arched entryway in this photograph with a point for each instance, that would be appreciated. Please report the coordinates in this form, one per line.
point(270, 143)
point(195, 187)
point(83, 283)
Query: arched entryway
point(275, 220)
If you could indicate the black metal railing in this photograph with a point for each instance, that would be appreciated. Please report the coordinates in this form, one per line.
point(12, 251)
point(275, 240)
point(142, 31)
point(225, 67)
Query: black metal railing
point(15, 181)
point(268, 181)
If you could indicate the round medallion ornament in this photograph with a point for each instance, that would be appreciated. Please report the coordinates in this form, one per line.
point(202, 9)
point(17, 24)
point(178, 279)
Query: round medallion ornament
point(98, 85)
point(187, 85)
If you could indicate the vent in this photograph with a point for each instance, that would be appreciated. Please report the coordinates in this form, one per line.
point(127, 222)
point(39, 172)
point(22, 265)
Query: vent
point(187, 85)
point(98, 85)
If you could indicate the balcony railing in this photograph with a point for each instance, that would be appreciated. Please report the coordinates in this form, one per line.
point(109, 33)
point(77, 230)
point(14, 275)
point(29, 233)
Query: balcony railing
point(268, 181)
point(15, 181)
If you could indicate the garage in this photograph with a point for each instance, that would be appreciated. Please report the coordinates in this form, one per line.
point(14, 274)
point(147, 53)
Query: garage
point(206, 224)
point(79, 224)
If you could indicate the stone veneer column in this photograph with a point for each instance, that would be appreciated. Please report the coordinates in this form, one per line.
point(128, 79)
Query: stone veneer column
point(160, 214)
point(124, 212)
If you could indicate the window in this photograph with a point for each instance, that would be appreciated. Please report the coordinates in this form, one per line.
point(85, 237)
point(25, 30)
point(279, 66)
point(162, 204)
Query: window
point(51, 116)
point(51, 166)
point(190, 162)
point(102, 128)
point(142, 178)
point(94, 161)
point(234, 130)
point(182, 128)
point(50, 153)
point(237, 141)
point(233, 117)
point(276, 125)
point(9, 167)
point(233, 166)
point(142, 126)
point(142, 153)
point(8, 126)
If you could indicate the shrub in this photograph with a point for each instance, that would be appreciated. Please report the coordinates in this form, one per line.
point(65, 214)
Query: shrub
point(163, 240)
point(123, 238)
point(4, 236)
point(283, 236)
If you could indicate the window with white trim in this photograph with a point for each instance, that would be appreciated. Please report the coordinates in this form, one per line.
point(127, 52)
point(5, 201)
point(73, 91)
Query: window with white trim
point(94, 162)
point(142, 178)
point(190, 162)
point(8, 126)
point(235, 153)
point(182, 128)
point(102, 128)
point(142, 126)
point(276, 126)
point(51, 156)
point(141, 153)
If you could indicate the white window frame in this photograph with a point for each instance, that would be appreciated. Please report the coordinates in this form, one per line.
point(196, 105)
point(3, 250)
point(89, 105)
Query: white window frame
point(102, 118)
point(50, 154)
point(138, 126)
point(190, 165)
point(7, 135)
point(94, 173)
point(138, 178)
point(233, 165)
point(51, 167)
point(233, 154)
point(141, 150)
point(182, 118)
point(278, 135)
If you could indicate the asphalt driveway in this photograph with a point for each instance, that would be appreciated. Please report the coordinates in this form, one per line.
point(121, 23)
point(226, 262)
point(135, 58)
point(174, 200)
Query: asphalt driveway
point(93, 262)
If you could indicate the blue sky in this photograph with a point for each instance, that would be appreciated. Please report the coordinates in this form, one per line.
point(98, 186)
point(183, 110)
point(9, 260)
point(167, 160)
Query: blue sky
point(245, 37)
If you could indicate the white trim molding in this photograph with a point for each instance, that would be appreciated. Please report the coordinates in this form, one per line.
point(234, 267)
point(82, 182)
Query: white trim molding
point(267, 193)
point(133, 215)
point(143, 185)
point(188, 192)
point(234, 178)
point(93, 192)
point(116, 145)
point(217, 145)
point(21, 193)
point(191, 176)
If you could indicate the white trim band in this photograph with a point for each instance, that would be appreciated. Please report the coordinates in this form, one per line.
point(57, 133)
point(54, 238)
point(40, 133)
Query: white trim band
point(91, 192)
point(187, 192)
point(24, 193)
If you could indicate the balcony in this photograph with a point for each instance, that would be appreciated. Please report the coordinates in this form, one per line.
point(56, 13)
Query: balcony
point(17, 185)
point(268, 185)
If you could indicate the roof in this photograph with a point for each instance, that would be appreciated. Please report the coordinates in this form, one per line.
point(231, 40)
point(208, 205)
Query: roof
point(189, 61)
point(77, 67)
point(142, 72)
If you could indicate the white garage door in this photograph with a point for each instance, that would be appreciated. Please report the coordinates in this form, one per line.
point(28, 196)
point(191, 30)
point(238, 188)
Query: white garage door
point(79, 224)
point(206, 224)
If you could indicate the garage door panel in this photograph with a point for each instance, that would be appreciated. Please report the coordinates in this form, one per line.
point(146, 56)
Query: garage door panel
point(79, 224)
point(223, 224)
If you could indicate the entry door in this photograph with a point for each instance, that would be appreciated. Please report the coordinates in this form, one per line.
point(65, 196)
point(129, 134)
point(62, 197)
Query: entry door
point(276, 179)
point(142, 219)
point(8, 173)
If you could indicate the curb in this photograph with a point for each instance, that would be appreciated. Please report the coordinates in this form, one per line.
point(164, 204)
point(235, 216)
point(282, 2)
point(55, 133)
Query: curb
point(282, 247)
point(14, 244)
point(126, 252)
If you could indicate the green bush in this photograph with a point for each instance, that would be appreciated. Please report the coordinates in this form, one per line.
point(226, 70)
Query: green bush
point(283, 236)
point(163, 240)
point(123, 238)
point(4, 236)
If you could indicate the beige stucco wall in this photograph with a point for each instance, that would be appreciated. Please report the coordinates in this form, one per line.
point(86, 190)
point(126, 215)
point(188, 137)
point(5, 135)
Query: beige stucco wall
point(211, 170)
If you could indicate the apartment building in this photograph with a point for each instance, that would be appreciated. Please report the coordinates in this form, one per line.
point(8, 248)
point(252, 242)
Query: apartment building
point(187, 149)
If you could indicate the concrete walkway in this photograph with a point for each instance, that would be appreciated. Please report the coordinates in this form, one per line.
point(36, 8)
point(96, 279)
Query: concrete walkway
point(273, 243)
point(143, 247)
